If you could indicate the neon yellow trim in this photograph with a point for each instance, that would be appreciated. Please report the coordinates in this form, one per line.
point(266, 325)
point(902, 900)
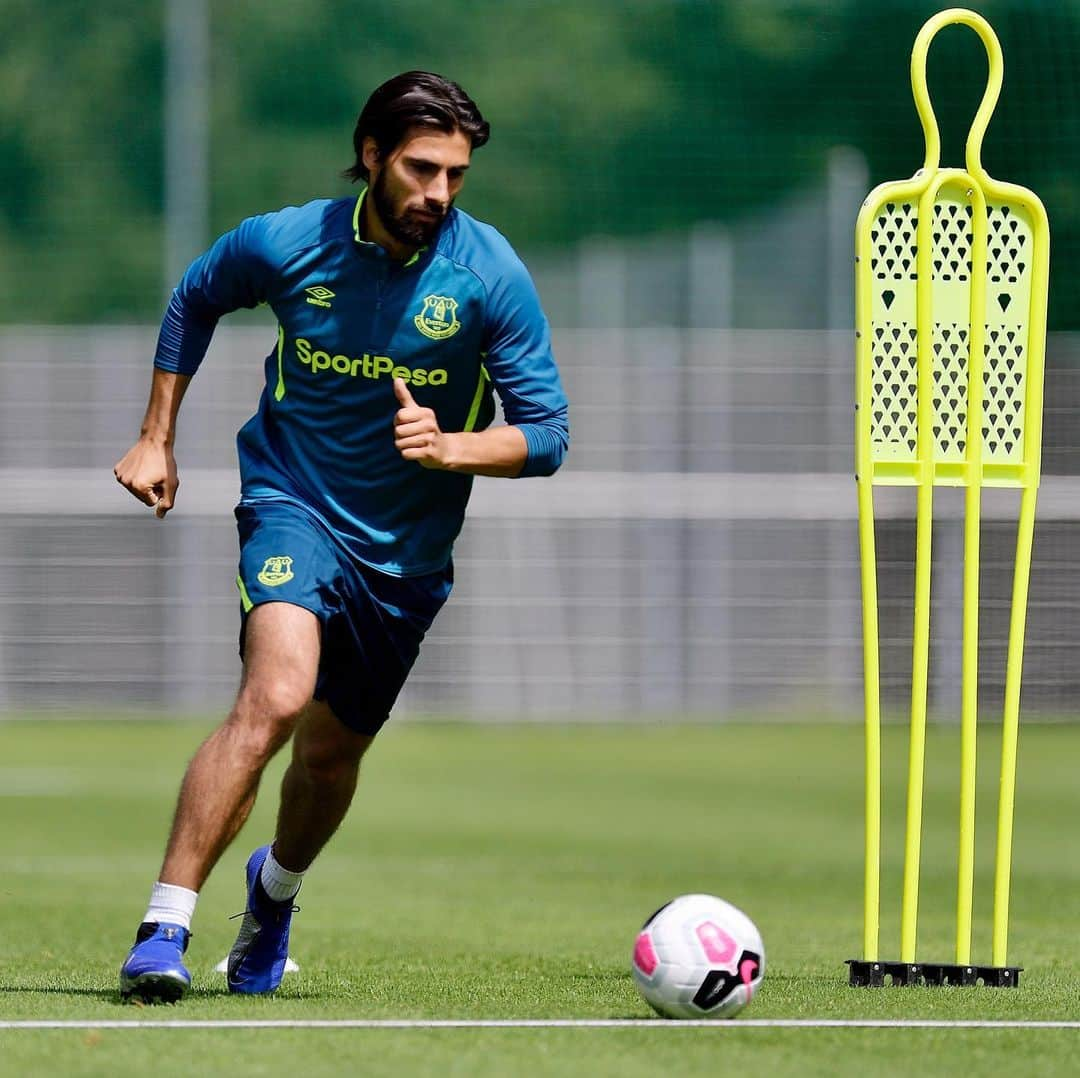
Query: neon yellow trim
point(478, 397)
point(245, 599)
point(279, 392)
point(356, 217)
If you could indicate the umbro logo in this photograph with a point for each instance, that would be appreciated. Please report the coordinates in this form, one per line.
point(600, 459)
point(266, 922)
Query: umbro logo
point(319, 295)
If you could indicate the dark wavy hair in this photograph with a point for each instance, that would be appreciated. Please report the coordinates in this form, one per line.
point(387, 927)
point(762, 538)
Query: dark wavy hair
point(414, 99)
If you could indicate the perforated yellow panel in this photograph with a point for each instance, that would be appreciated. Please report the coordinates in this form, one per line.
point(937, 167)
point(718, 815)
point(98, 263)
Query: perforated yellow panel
point(950, 390)
point(893, 279)
point(1008, 298)
point(894, 424)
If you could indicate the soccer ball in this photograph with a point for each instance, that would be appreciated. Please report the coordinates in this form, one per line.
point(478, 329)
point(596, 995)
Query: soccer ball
point(698, 957)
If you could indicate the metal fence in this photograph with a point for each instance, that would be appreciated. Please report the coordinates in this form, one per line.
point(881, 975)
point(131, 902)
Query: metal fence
point(697, 555)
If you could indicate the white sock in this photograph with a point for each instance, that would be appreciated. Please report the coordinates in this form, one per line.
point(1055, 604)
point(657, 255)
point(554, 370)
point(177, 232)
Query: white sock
point(172, 905)
point(279, 883)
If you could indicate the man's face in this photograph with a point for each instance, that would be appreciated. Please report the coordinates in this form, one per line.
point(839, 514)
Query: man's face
point(415, 185)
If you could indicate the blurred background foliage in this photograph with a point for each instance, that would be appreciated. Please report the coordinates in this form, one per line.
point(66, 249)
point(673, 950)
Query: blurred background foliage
point(609, 119)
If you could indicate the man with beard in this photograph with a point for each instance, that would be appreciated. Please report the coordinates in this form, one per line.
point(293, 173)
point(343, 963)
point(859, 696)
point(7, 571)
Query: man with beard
point(398, 316)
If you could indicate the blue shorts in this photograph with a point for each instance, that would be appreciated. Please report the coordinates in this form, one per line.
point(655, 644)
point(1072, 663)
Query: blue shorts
point(372, 623)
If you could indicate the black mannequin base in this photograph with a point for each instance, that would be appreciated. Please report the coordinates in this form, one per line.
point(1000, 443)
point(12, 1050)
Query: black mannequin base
point(866, 974)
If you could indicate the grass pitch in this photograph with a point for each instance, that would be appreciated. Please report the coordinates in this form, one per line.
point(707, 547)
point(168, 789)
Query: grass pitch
point(502, 873)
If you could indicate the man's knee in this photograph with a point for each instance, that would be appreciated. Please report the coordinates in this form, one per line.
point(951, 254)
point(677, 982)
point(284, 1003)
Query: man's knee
point(281, 657)
point(266, 713)
point(328, 751)
point(323, 769)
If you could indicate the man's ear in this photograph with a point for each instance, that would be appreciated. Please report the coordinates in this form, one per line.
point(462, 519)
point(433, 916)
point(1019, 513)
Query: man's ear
point(371, 153)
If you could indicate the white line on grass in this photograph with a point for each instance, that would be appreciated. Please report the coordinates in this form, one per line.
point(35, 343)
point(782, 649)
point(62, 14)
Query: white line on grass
point(531, 1023)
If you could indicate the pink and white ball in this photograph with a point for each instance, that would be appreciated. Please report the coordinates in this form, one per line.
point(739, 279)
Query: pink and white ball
point(698, 957)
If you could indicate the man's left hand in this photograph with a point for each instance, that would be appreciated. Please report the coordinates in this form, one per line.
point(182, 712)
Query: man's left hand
point(416, 431)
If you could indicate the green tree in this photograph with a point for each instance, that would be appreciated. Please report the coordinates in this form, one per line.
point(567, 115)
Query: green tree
point(608, 118)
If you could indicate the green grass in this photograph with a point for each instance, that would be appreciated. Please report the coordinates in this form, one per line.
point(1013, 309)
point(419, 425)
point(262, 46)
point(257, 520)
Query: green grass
point(503, 872)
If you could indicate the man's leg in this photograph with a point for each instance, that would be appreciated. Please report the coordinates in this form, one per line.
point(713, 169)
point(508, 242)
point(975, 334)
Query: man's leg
point(318, 787)
point(372, 640)
point(315, 795)
point(281, 657)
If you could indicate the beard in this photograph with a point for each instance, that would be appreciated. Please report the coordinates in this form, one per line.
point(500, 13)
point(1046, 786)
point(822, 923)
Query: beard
point(404, 227)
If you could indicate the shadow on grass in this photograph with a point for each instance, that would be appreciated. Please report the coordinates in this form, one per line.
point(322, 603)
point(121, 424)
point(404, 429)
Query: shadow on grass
point(108, 995)
point(241, 1006)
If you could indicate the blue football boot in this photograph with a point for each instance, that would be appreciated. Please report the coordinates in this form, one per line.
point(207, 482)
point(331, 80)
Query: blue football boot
point(257, 959)
point(153, 971)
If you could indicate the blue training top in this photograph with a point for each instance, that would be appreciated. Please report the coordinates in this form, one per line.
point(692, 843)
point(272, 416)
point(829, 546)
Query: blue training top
point(459, 317)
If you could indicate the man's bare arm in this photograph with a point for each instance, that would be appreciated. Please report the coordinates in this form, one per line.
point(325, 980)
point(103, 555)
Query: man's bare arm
point(148, 468)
